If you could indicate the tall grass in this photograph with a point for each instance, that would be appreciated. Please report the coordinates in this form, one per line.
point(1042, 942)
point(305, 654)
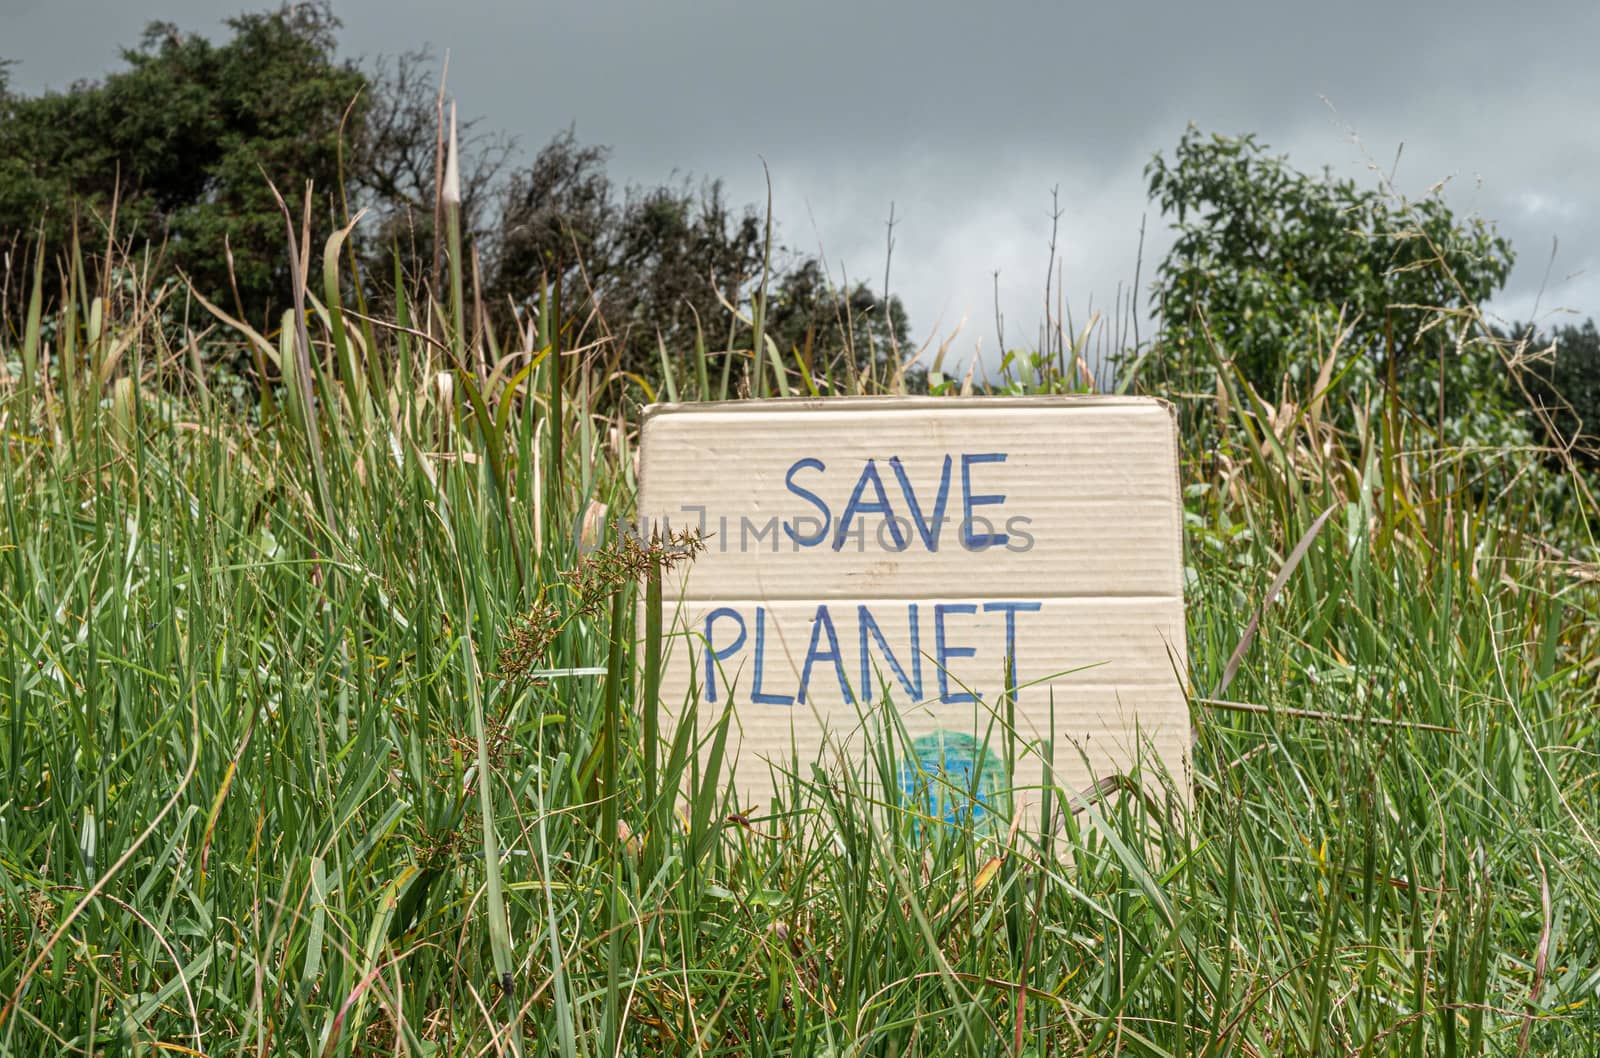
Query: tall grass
point(332, 734)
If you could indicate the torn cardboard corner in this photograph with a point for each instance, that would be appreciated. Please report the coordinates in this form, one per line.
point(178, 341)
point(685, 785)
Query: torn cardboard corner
point(926, 552)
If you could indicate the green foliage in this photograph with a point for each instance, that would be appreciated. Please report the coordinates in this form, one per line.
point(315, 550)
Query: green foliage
point(664, 265)
point(324, 731)
point(182, 142)
point(327, 734)
point(814, 318)
point(330, 727)
point(1275, 267)
point(653, 259)
point(186, 138)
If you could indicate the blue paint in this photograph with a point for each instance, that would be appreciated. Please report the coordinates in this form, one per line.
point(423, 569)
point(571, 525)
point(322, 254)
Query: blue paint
point(870, 497)
point(713, 655)
point(913, 683)
point(869, 476)
point(756, 694)
point(1011, 609)
point(730, 632)
point(808, 540)
point(953, 777)
point(930, 528)
point(820, 625)
point(970, 540)
point(943, 652)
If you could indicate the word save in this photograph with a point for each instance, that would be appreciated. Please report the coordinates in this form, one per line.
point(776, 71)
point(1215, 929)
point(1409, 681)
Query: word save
point(911, 518)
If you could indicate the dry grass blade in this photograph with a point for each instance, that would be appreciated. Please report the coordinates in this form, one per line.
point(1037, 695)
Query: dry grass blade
point(1541, 958)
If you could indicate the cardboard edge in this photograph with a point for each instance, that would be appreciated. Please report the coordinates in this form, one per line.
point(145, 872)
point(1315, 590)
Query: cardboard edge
point(1185, 684)
point(906, 402)
point(650, 413)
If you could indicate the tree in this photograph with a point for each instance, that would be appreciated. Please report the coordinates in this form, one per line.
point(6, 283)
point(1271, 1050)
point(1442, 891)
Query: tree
point(394, 159)
point(661, 262)
point(823, 324)
point(1266, 259)
point(183, 141)
point(653, 259)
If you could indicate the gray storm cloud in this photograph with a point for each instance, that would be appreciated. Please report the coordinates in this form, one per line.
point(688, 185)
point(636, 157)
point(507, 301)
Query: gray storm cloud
point(965, 116)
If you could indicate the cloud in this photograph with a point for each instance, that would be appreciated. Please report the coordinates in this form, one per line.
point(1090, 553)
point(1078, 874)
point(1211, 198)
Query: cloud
point(966, 115)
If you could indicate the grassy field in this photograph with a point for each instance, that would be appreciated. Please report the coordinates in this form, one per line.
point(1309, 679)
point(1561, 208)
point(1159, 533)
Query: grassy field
point(278, 780)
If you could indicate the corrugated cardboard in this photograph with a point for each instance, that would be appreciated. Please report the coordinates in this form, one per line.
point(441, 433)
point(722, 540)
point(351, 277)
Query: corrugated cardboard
point(1060, 546)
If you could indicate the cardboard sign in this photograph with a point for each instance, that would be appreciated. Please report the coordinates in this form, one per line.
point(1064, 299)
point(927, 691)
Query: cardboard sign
point(920, 555)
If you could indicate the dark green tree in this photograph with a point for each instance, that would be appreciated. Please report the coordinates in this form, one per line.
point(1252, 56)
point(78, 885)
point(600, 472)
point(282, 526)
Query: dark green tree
point(830, 327)
point(650, 260)
point(661, 264)
point(1265, 258)
point(183, 141)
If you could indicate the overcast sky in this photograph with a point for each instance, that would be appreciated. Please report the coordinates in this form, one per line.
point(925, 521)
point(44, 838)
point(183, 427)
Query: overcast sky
point(966, 114)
